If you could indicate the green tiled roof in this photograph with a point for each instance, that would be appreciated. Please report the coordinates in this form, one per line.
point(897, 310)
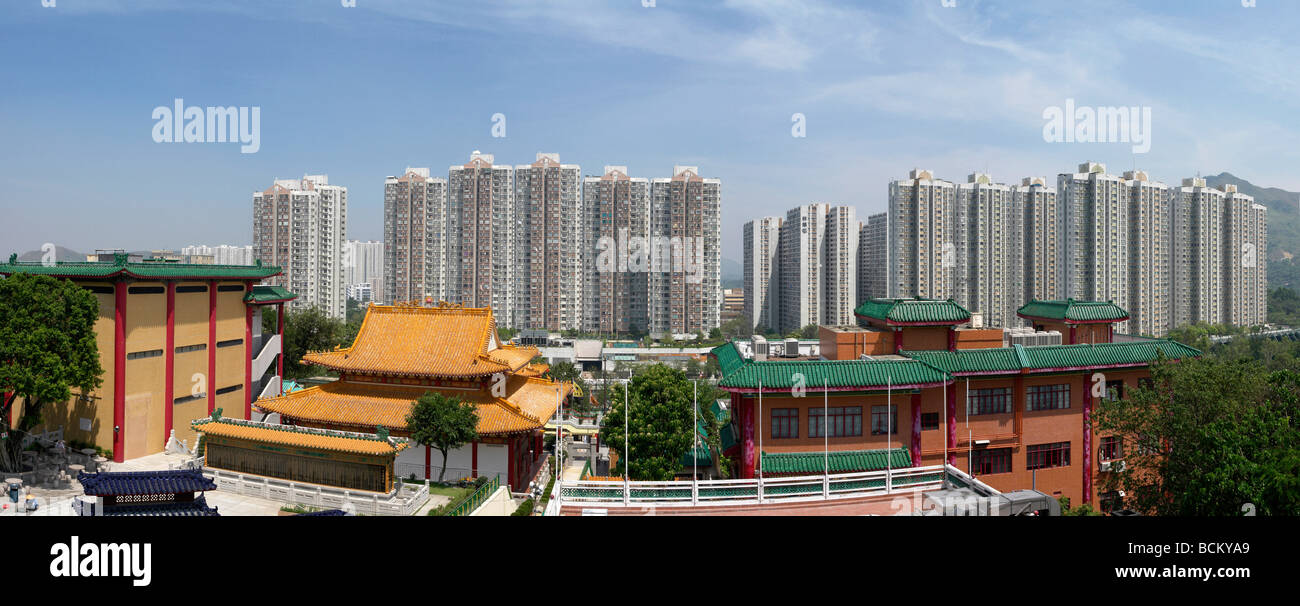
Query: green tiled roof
point(144, 270)
point(1070, 310)
point(975, 361)
point(913, 311)
point(839, 374)
point(843, 461)
point(263, 293)
point(729, 359)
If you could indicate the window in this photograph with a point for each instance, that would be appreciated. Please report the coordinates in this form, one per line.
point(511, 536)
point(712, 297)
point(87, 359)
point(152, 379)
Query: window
point(989, 401)
point(232, 388)
point(100, 290)
point(1044, 456)
point(1114, 390)
point(844, 421)
point(929, 420)
point(146, 290)
point(1047, 397)
point(1112, 447)
point(191, 289)
point(230, 343)
point(990, 461)
point(137, 355)
point(230, 288)
point(785, 422)
point(187, 348)
point(185, 399)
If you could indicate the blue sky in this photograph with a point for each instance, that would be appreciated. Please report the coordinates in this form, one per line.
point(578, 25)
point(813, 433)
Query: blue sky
point(361, 93)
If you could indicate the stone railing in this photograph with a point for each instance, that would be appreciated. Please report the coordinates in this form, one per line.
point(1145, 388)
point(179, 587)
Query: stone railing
point(402, 501)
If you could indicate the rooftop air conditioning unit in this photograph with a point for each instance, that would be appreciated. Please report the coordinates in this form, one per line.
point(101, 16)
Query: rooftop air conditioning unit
point(791, 348)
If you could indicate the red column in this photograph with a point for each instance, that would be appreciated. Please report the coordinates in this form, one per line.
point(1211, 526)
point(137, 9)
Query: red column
point(898, 340)
point(748, 456)
point(952, 423)
point(211, 382)
point(169, 365)
point(1087, 441)
point(510, 455)
point(1071, 336)
point(473, 458)
point(119, 368)
point(248, 357)
point(279, 360)
point(952, 339)
point(427, 456)
point(916, 429)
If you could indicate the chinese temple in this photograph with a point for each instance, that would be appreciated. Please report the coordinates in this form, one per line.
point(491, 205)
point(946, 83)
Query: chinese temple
point(149, 493)
point(404, 351)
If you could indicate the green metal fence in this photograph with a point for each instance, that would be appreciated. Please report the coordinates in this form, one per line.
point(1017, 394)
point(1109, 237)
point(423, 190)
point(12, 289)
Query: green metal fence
point(480, 496)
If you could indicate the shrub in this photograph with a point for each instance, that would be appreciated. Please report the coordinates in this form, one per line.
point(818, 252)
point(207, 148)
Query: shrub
point(524, 509)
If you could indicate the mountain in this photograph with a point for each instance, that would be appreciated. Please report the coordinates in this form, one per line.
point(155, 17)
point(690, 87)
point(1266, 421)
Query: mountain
point(1283, 227)
point(60, 254)
point(733, 274)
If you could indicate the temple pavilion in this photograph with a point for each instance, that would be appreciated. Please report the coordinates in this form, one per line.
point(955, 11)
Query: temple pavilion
point(404, 351)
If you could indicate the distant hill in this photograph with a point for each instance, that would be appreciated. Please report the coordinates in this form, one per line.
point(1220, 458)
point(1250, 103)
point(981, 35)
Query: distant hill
point(733, 274)
point(1283, 227)
point(60, 254)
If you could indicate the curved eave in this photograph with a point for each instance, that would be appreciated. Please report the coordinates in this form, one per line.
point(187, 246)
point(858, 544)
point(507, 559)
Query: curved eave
point(887, 322)
point(1069, 321)
point(879, 388)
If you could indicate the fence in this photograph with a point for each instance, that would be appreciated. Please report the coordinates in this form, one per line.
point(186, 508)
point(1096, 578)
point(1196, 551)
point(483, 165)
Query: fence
point(765, 490)
point(481, 495)
point(405, 470)
point(402, 501)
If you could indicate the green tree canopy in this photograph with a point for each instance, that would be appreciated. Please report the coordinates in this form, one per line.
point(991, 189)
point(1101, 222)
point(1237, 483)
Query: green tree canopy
point(1207, 437)
point(442, 423)
point(659, 428)
point(309, 330)
point(47, 346)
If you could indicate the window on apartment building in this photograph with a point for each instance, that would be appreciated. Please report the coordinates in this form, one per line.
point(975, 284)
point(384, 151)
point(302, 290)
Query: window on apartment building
point(996, 400)
point(844, 421)
point(990, 461)
point(1112, 447)
point(929, 420)
point(1045, 456)
point(785, 422)
point(1047, 397)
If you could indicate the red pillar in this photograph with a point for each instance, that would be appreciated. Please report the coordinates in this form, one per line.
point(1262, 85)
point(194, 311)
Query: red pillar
point(279, 360)
point(1087, 441)
point(1072, 341)
point(169, 366)
point(952, 339)
point(211, 383)
point(473, 458)
point(510, 455)
point(427, 456)
point(952, 422)
point(748, 456)
point(248, 357)
point(898, 340)
point(916, 429)
point(119, 368)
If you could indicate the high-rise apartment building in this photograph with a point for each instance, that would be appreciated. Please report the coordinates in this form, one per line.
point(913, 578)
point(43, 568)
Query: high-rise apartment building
point(1245, 278)
point(1197, 253)
point(840, 266)
point(363, 265)
point(685, 281)
point(1150, 250)
point(481, 228)
point(616, 228)
point(1040, 228)
point(548, 278)
point(1095, 212)
point(988, 254)
point(414, 250)
point(873, 258)
point(762, 267)
point(223, 254)
point(803, 259)
point(923, 251)
point(301, 225)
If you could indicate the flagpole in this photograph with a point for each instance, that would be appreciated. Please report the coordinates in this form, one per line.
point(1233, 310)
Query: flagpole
point(695, 436)
point(627, 412)
point(760, 430)
point(970, 440)
point(826, 440)
point(889, 427)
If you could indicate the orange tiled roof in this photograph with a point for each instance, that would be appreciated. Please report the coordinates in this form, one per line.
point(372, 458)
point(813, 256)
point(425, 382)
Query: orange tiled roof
point(301, 437)
point(526, 406)
point(533, 370)
point(442, 341)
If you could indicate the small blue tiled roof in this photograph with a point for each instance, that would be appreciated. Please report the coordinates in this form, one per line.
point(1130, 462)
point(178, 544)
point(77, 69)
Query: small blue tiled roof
point(196, 508)
point(118, 483)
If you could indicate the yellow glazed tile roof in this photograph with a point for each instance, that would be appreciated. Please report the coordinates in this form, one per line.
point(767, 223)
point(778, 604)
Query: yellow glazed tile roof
point(317, 439)
point(528, 402)
point(442, 341)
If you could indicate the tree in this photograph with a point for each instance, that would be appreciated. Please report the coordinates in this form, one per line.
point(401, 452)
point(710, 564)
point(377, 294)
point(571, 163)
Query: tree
point(308, 330)
point(47, 346)
point(442, 423)
point(659, 428)
point(1207, 437)
point(738, 327)
point(808, 332)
